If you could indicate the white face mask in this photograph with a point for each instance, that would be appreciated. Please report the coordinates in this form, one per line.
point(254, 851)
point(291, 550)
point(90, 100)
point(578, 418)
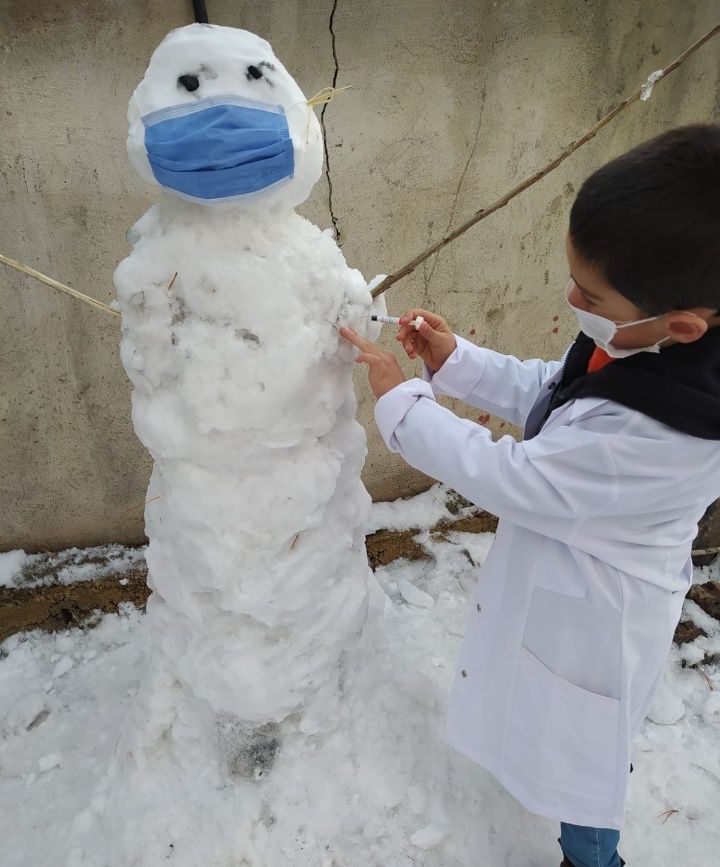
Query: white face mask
point(603, 330)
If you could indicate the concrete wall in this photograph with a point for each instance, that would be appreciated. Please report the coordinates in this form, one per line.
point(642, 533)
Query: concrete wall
point(452, 103)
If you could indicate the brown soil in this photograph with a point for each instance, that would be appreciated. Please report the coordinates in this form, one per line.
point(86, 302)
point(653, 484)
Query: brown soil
point(480, 523)
point(707, 596)
point(59, 606)
point(687, 631)
point(384, 546)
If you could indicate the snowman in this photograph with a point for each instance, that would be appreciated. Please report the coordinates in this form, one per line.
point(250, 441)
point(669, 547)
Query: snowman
point(242, 392)
point(231, 304)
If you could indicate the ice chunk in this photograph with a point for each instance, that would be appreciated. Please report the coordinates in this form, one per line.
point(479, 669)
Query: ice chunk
point(412, 594)
point(429, 837)
point(49, 761)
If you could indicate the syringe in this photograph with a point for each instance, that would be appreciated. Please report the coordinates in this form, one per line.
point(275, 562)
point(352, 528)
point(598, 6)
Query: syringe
point(395, 320)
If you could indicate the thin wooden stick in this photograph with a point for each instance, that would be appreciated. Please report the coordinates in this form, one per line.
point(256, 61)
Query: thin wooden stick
point(43, 278)
point(707, 679)
point(528, 182)
point(700, 552)
point(144, 503)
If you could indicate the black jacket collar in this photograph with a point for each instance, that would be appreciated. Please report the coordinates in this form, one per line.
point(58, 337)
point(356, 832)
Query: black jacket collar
point(679, 386)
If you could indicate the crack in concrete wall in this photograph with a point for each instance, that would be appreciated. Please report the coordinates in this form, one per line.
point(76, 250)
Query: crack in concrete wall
point(322, 124)
point(427, 276)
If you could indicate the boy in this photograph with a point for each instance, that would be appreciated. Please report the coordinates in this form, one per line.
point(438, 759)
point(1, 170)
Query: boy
point(578, 600)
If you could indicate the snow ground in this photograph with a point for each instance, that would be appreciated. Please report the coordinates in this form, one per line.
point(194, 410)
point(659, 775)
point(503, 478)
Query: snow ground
point(64, 697)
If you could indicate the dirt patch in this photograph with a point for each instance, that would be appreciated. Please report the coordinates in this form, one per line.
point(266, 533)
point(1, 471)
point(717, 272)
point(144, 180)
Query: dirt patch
point(686, 632)
point(480, 523)
point(384, 546)
point(61, 606)
point(707, 596)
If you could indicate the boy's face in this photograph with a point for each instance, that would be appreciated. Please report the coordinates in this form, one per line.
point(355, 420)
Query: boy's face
point(590, 291)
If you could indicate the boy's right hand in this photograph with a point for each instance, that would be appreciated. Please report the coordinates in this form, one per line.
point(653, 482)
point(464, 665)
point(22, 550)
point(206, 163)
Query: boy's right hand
point(434, 342)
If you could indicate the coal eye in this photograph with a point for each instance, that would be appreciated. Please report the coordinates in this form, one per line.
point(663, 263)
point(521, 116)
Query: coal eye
point(189, 82)
point(253, 72)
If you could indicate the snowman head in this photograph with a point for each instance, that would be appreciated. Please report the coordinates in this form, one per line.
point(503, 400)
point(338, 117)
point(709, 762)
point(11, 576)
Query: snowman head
point(218, 119)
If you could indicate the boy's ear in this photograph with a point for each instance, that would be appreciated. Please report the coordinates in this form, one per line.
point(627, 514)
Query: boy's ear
point(687, 326)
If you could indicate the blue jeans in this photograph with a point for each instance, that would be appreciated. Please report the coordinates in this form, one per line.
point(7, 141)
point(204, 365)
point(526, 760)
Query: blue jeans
point(590, 847)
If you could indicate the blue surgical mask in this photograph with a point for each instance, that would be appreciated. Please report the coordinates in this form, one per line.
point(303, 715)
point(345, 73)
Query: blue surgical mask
point(219, 148)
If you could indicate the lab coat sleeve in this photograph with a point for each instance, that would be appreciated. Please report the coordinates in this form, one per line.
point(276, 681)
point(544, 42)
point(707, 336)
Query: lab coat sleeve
point(552, 484)
point(496, 383)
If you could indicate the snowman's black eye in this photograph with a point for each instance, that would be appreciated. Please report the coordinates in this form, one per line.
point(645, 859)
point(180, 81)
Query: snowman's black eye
point(253, 72)
point(189, 82)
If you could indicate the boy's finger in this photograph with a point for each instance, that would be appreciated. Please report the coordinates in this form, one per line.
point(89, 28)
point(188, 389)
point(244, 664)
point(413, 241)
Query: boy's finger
point(430, 334)
point(354, 338)
point(404, 332)
point(367, 358)
point(427, 315)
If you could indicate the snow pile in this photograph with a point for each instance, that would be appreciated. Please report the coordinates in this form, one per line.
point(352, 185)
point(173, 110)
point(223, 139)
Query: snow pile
point(425, 509)
point(11, 565)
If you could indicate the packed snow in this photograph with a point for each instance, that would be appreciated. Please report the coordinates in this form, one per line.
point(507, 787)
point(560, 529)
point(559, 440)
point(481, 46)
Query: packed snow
point(11, 565)
point(380, 789)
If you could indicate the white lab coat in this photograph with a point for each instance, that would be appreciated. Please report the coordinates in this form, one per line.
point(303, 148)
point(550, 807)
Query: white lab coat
point(576, 605)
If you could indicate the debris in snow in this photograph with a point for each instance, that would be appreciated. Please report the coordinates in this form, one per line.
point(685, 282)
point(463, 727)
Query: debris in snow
point(647, 88)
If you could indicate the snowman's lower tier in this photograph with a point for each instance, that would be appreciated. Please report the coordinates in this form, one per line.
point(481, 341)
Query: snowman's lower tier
point(243, 396)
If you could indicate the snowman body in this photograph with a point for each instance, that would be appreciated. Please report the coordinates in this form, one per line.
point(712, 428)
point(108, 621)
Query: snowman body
point(243, 396)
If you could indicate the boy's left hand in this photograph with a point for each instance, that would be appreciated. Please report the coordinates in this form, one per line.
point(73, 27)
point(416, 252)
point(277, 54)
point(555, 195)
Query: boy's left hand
point(384, 372)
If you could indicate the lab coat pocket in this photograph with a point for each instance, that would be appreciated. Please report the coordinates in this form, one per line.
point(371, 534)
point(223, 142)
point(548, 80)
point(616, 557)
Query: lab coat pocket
point(562, 738)
point(579, 638)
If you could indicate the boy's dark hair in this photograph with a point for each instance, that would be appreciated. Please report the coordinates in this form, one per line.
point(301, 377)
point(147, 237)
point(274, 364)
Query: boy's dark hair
point(650, 221)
